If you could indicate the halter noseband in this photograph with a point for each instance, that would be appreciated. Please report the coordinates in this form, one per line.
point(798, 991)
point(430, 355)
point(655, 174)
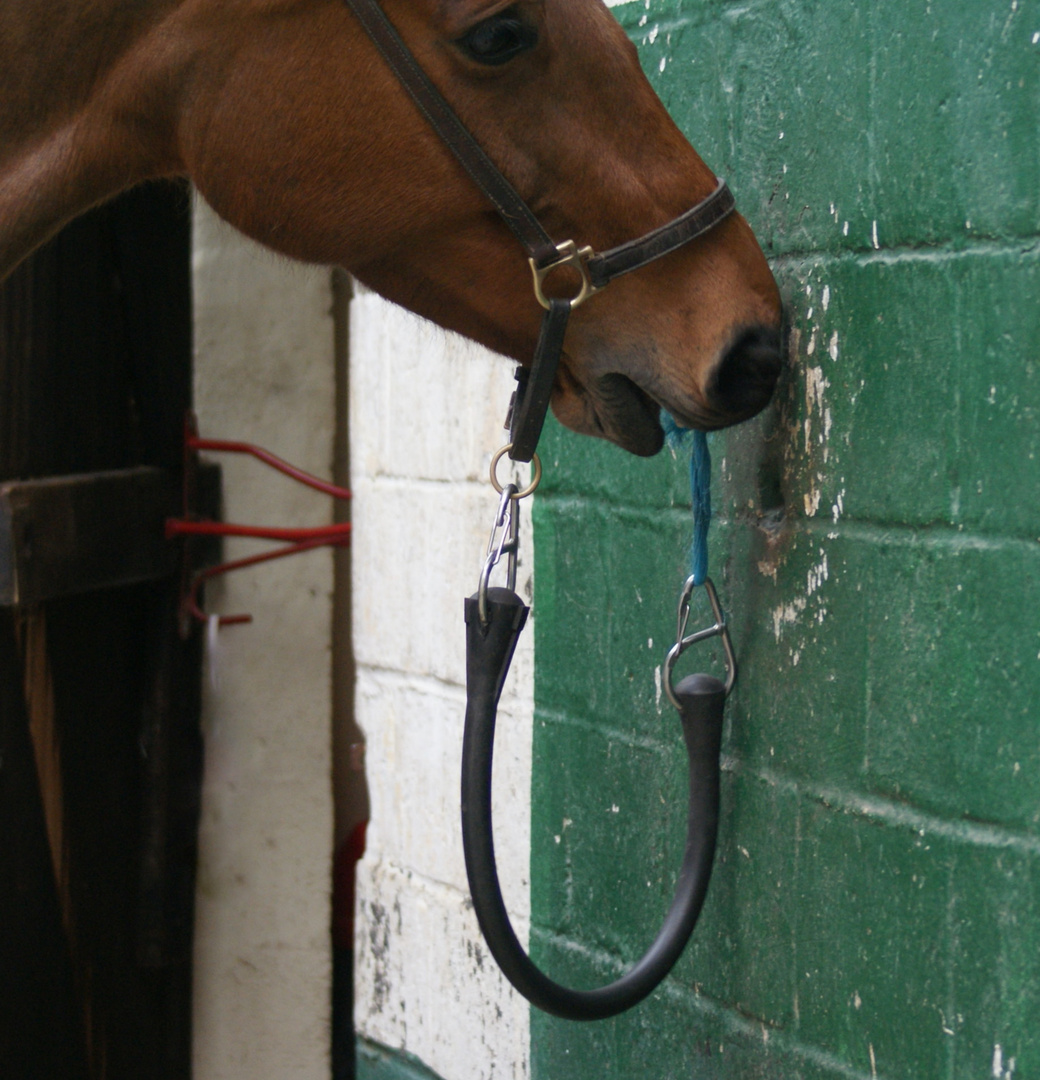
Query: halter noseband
point(527, 415)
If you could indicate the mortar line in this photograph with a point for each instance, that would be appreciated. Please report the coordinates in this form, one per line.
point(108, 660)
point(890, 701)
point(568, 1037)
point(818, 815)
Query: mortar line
point(512, 703)
point(611, 734)
point(421, 681)
point(736, 1023)
point(896, 815)
point(947, 537)
point(946, 251)
point(871, 807)
point(911, 534)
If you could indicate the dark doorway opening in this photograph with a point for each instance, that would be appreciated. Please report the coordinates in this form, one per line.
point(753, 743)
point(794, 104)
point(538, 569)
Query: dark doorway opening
point(100, 754)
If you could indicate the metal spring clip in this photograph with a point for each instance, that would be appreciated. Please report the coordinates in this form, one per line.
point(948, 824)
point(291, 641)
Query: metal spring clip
point(683, 640)
point(505, 535)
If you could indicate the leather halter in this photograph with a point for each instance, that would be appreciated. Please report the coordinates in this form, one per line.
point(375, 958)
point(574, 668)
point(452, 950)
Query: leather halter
point(531, 402)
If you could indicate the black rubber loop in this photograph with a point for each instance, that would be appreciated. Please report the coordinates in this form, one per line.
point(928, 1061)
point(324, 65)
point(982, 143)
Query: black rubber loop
point(489, 650)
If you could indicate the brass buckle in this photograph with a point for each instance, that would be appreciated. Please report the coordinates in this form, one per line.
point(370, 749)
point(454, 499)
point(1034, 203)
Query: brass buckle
point(569, 255)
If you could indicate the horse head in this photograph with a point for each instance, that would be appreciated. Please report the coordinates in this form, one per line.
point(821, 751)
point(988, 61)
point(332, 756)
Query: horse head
point(294, 128)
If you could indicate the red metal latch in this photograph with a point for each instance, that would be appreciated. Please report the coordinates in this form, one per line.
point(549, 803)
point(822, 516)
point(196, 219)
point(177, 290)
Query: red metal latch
point(336, 535)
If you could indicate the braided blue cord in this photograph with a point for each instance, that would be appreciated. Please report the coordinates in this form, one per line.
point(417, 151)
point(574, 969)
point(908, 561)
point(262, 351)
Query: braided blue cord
point(700, 491)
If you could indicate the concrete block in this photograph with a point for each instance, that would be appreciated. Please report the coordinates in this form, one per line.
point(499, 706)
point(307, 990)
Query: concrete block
point(427, 984)
point(264, 373)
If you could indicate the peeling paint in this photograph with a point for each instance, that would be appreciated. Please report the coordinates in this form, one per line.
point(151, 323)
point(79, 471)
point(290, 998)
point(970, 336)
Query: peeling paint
point(815, 384)
point(768, 569)
point(998, 1071)
point(817, 575)
point(787, 615)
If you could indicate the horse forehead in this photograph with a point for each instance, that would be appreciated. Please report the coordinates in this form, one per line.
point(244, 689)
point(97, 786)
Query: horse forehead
point(465, 8)
point(476, 9)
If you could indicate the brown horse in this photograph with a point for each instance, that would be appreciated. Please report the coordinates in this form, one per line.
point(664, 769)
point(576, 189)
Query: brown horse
point(295, 130)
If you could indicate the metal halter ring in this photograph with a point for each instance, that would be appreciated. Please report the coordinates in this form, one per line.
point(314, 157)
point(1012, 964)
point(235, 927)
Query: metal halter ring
point(536, 479)
point(568, 254)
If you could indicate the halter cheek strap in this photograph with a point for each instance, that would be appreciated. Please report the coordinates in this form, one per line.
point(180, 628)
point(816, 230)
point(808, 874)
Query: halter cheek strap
point(444, 120)
point(531, 402)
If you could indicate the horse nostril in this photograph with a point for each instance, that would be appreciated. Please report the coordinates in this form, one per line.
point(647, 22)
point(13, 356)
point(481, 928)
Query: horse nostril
point(743, 381)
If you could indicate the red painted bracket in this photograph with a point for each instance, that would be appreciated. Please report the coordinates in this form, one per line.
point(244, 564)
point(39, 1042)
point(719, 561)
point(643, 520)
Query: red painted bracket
point(299, 540)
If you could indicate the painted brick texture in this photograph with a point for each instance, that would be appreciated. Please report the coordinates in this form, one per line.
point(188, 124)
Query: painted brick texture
point(875, 910)
point(262, 954)
point(426, 414)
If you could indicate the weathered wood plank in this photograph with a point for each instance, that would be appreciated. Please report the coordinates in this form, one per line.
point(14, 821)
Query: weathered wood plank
point(72, 534)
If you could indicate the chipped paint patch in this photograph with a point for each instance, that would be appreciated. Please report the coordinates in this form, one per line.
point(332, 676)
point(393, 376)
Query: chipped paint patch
point(998, 1070)
point(787, 615)
point(818, 574)
point(815, 385)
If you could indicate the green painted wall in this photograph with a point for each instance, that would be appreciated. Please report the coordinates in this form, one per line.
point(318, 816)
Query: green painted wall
point(375, 1062)
point(876, 903)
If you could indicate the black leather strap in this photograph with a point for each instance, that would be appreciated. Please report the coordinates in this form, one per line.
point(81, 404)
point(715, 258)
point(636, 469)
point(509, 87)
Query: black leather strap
point(534, 385)
point(695, 222)
point(443, 119)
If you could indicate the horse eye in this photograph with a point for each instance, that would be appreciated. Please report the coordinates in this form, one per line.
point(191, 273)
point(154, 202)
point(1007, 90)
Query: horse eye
point(498, 39)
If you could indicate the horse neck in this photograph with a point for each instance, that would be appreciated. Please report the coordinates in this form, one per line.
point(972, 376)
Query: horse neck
point(56, 57)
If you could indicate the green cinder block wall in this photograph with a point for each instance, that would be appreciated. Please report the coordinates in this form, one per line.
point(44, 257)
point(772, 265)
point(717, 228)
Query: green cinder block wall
point(875, 910)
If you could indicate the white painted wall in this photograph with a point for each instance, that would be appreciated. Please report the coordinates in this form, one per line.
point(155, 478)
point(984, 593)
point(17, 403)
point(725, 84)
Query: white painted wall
point(264, 373)
point(426, 416)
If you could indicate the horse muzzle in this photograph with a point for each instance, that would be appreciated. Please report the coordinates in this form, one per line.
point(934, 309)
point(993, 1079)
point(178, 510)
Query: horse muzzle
point(739, 386)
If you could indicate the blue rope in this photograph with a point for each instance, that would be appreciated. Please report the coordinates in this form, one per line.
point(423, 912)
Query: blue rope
point(700, 491)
